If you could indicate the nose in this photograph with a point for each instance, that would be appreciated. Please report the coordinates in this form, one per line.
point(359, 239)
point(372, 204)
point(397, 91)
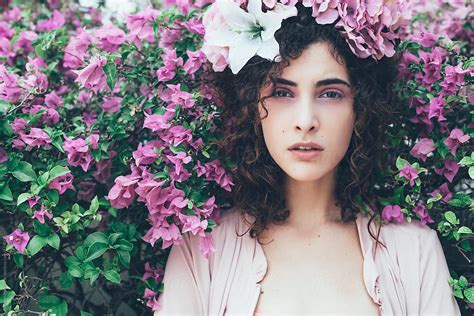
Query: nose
point(306, 116)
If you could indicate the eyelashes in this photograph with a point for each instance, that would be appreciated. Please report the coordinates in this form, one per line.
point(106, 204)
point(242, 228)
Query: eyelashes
point(328, 94)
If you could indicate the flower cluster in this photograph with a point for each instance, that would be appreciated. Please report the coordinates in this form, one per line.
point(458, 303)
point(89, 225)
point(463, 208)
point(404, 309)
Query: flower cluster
point(238, 30)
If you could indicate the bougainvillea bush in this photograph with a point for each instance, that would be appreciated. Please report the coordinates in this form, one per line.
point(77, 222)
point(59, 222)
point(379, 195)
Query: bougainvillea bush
point(108, 150)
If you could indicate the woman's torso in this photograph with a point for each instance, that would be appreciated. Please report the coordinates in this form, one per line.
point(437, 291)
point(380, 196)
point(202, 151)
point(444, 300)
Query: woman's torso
point(314, 273)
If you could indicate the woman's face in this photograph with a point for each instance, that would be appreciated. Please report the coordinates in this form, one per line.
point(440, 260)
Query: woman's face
point(312, 101)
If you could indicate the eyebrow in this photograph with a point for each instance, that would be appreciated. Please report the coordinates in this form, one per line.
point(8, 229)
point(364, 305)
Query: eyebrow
point(320, 83)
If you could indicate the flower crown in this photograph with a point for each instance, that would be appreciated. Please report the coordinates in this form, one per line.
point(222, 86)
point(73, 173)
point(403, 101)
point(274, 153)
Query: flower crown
point(233, 35)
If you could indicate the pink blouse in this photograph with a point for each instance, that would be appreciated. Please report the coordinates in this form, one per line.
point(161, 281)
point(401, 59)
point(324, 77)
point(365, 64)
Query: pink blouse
point(409, 277)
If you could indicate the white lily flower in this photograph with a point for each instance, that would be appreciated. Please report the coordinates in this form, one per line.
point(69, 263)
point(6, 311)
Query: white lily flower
point(249, 33)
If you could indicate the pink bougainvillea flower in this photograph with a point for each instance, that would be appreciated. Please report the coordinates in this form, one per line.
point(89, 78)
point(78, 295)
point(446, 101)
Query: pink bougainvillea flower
point(444, 191)
point(437, 108)
point(194, 62)
point(93, 141)
point(169, 234)
point(111, 105)
point(56, 21)
point(93, 76)
point(76, 50)
point(409, 173)
point(213, 171)
point(422, 148)
point(32, 201)
point(78, 153)
point(145, 155)
point(110, 38)
point(393, 213)
point(206, 244)
point(10, 90)
point(168, 36)
point(24, 40)
point(177, 135)
point(155, 274)
point(423, 214)
point(122, 193)
point(449, 170)
point(151, 299)
point(432, 65)
point(39, 215)
point(454, 78)
point(52, 100)
point(139, 26)
point(166, 201)
point(18, 239)
point(157, 122)
point(62, 183)
point(36, 138)
point(455, 139)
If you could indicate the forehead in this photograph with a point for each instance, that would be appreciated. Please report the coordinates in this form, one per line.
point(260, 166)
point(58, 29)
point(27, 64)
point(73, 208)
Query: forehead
point(315, 63)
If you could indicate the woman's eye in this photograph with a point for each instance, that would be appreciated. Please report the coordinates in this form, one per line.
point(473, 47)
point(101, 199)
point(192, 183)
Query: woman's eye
point(332, 95)
point(280, 93)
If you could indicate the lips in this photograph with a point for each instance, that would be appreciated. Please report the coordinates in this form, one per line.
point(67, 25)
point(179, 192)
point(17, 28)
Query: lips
point(312, 145)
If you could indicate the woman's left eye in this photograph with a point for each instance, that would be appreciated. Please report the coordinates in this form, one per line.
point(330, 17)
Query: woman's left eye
point(332, 95)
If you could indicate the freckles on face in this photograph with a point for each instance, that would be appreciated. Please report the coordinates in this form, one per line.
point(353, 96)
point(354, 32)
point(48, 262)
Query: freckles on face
point(311, 101)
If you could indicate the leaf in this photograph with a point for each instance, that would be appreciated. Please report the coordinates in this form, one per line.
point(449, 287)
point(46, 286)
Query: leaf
point(24, 172)
point(112, 276)
point(43, 179)
point(60, 310)
point(464, 230)
point(3, 285)
point(6, 194)
point(66, 280)
point(22, 198)
point(110, 70)
point(83, 313)
point(94, 205)
point(48, 301)
point(450, 217)
point(400, 163)
point(36, 244)
point(57, 171)
point(7, 297)
point(92, 274)
point(95, 251)
point(54, 241)
point(469, 294)
point(4, 106)
point(471, 172)
point(124, 257)
point(95, 237)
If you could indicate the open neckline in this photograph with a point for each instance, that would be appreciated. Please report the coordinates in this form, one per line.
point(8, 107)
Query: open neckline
point(371, 274)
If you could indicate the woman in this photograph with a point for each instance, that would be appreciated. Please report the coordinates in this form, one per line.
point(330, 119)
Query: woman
point(306, 105)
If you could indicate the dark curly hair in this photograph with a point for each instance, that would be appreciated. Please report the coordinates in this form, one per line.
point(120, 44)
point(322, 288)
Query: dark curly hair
point(258, 179)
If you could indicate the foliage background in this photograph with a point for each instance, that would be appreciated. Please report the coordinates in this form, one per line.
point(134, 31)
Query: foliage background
point(107, 150)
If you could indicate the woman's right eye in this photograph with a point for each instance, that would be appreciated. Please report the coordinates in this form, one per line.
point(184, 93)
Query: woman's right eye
point(280, 93)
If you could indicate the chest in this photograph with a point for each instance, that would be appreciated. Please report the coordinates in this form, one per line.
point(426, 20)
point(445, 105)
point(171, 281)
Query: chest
point(319, 275)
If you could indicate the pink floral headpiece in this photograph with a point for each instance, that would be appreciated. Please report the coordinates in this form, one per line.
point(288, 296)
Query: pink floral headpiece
point(234, 35)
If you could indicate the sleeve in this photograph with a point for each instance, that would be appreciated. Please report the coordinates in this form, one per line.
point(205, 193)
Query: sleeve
point(186, 280)
point(436, 297)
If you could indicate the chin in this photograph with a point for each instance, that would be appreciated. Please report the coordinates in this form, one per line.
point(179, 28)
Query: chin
point(305, 174)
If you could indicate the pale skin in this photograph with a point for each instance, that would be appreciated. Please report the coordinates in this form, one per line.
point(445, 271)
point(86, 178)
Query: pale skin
point(314, 259)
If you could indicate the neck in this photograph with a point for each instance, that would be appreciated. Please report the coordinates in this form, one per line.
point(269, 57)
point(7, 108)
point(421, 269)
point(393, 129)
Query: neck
point(311, 204)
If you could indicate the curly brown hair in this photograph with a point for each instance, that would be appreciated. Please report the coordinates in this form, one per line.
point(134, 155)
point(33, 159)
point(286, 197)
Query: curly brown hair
point(258, 179)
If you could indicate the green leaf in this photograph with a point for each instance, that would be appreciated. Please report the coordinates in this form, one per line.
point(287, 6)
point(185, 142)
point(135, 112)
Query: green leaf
point(95, 237)
point(43, 179)
point(36, 244)
point(469, 294)
point(22, 198)
point(42, 230)
point(94, 205)
point(463, 282)
point(54, 241)
point(48, 301)
point(57, 171)
point(24, 172)
point(53, 196)
point(110, 70)
point(60, 310)
point(66, 280)
point(6, 297)
point(95, 251)
point(112, 276)
point(92, 274)
point(400, 163)
point(83, 313)
point(3, 285)
point(4, 106)
point(471, 172)
point(124, 257)
point(451, 217)
point(6, 194)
